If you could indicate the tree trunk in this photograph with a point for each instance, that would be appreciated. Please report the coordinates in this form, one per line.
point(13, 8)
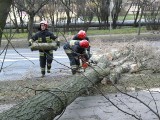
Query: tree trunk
point(30, 26)
point(4, 10)
point(21, 21)
point(15, 22)
point(49, 103)
point(116, 11)
point(68, 19)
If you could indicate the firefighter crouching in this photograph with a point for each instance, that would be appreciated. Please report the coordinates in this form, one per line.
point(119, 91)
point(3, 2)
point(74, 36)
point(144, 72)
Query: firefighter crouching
point(45, 56)
point(81, 35)
point(74, 50)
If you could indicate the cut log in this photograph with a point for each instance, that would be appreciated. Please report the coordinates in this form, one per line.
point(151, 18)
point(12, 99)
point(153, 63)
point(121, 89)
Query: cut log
point(44, 46)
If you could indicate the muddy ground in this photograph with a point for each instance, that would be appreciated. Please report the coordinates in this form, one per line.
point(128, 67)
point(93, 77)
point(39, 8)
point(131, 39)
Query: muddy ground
point(15, 91)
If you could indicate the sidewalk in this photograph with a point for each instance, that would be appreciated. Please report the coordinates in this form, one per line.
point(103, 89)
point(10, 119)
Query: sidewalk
point(98, 108)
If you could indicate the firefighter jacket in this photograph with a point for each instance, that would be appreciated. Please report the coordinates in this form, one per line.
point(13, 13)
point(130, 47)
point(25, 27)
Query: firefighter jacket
point(44, 37)
point(73, 47)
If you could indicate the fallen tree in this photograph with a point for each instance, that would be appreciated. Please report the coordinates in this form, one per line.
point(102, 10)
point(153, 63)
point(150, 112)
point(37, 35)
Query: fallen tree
point(50, 103)
point(47, 104)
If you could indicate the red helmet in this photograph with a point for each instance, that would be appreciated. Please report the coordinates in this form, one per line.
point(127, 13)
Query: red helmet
point(84, 44)
point(45, 23)
point(81, 34)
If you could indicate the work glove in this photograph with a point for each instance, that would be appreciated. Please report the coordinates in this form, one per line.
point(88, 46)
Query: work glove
point(58, 43)
point(89, 54)
point(55, 37)
point(30, 42)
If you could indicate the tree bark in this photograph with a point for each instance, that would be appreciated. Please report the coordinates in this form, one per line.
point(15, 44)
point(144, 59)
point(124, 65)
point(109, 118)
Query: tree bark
point(30, 26)
point(4, 10)
point(44, 46)
point(49, 103)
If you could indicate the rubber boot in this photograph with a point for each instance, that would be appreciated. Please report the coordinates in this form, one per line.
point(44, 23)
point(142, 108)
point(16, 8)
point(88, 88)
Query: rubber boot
point(43, 73)
point(73, 71)
point(48, 71)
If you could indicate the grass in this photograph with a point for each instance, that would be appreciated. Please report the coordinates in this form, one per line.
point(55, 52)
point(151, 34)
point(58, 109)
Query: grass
point(14, 35)
point(123, 30)
point(128, 17)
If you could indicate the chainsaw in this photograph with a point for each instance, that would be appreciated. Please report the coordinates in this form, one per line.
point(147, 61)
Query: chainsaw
point(84, 62)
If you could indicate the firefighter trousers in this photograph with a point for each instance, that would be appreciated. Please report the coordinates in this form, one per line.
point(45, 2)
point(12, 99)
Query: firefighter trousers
point(45, 57)
point(73, 58)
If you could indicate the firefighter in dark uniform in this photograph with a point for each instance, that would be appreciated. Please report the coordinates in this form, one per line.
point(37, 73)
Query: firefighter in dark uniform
point(75, 49)
point(45, 56)
point(81, 35)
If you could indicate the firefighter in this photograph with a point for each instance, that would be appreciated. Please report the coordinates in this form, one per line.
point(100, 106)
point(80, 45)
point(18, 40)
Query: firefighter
point(81, 35)
point(74, 50)
point(45, 56)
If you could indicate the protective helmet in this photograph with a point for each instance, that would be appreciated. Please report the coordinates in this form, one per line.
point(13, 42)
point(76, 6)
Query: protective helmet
point(81, 34)
point(84, 44)
point(45, 23)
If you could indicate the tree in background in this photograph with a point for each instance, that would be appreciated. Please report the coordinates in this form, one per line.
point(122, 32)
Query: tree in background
point(14, 20)
point(49, 12)
point(85, 12)
point(31, 7)
point(115, 12)
point(152, 14)
point(4, 10)
point(68, 8)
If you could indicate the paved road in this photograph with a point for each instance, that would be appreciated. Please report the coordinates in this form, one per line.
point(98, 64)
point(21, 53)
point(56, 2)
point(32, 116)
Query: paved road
point(98, 108)
point(17, 67)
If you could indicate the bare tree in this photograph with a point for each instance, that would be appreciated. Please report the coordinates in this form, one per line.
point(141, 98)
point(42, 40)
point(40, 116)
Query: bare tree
point(68, 8)
point(152, 14)
point(14, 19)
point(21, 18)
point(86, 14)
point(115, 12)
point(101, 10)
point(104, 11)
point(31, 7)
point(53, 9)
